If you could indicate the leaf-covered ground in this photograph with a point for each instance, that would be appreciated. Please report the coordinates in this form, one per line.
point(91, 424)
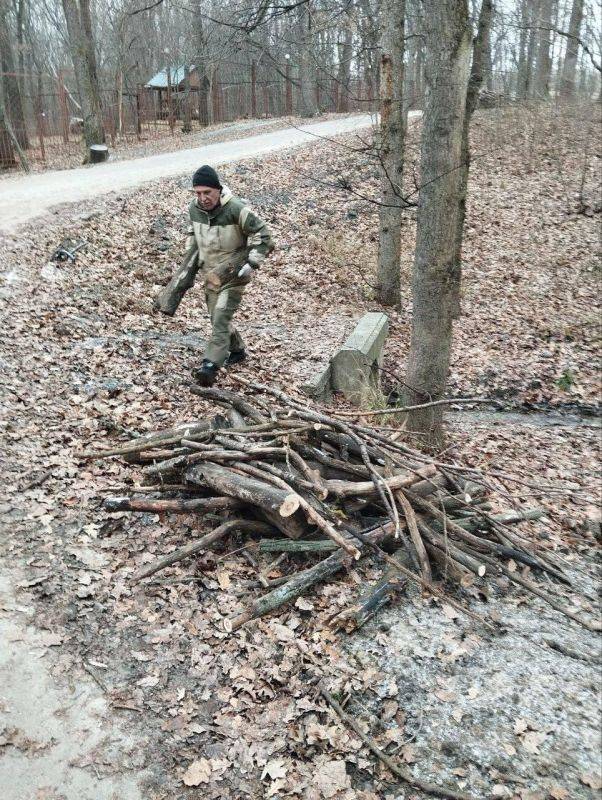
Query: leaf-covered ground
point(85, 359)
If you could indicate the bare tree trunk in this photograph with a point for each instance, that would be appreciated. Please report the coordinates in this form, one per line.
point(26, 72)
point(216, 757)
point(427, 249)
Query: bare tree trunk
point(186, 110)
point(391, 144)
point(7, 151)
point(480, 64)
point(201, 62)
point(522, 81)
point(81, 42)
point(9, 142)
point(12, 91)
point(20, 14)
point(345, 52)
point(543, 63)
point(307, 106)
point(435, 279)
point(569, 67)
point(532, 48)
point(415, 55)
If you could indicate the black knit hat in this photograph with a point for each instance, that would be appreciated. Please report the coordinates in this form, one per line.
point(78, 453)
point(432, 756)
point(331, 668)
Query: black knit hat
point(206, 176)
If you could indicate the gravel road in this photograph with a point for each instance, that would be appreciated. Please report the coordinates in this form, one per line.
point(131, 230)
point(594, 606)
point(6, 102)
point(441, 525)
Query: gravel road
point(26, 197)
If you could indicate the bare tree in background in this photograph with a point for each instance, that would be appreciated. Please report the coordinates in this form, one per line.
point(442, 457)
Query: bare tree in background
point(345, 53)
point(81, 43)
point(569, 67)
point(9, 143)
point(543, 59)
point(436, 275)
point(12, 88)
point(391, 148)
point(526, 45)
point(307, 106)
point(481, 66)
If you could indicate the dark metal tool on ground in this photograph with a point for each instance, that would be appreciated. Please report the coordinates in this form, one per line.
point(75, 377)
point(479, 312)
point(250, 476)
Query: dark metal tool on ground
point(67, 250)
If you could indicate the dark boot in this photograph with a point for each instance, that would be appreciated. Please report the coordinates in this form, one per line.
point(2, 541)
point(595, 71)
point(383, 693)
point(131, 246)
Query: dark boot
point(235, 357)
point(206, 373)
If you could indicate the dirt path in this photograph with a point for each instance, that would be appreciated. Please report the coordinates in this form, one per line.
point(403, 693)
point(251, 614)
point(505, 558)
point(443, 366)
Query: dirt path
point(27, 197)
point(58, 738)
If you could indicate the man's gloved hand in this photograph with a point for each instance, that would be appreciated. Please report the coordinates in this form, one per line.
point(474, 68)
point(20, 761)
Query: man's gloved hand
point(245, 271)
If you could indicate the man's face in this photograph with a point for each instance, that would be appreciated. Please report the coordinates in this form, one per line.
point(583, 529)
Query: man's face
point(207, 197)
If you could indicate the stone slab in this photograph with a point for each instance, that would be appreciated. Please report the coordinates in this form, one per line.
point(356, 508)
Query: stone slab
point(318, 386)
point(355, 366)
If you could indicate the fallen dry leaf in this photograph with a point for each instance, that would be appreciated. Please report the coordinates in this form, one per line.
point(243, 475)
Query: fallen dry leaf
point(274, 769)
point(591, 780)
point(331, 778)
point(198, 772)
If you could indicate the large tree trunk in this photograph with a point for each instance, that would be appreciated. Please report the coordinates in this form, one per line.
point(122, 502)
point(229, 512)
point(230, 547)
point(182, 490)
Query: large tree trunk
point(391, 144)
point(569, 67)
point(307, 106)
point(436, 277)
point(12, 90)
point(81, 43)
point(478, 72)
point(543, 63)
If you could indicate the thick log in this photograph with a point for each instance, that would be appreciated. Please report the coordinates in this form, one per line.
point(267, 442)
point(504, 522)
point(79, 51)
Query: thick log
point(292, 527)
point(170, 297)
point(171, 506)
point(471, 563)
point(448, 566)
point(312, 514)
point(355, 488)
point(201, 544)
point(263, 495)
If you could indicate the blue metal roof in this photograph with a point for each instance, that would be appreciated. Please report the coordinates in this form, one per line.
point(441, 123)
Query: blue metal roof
point(176, 76)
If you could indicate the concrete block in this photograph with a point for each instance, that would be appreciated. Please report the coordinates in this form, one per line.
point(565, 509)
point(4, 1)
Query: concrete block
point(318, 386)
point(355, 366)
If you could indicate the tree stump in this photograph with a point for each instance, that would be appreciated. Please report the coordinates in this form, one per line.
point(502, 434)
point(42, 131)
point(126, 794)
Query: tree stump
point(98, 153)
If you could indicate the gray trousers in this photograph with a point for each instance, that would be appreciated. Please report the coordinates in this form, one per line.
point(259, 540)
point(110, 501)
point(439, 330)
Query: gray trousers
point(224, 337)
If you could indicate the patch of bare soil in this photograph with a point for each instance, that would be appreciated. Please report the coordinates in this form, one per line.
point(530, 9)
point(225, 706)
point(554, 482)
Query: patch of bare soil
point(85, 359)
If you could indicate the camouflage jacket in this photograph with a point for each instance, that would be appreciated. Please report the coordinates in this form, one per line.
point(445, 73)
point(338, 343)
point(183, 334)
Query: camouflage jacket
point(226, 238)
point(218, 243)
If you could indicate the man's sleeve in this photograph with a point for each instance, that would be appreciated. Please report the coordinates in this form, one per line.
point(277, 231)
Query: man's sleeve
point(259, 240)
point(191, 243)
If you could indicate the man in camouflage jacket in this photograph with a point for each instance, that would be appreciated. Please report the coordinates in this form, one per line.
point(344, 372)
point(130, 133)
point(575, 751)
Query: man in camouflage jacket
point(226, 242)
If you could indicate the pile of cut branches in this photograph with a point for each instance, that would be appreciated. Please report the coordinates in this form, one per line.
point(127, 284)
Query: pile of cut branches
point(305, 484)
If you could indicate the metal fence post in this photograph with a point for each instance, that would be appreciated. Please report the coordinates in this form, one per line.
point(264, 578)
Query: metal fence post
point(64, 112)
